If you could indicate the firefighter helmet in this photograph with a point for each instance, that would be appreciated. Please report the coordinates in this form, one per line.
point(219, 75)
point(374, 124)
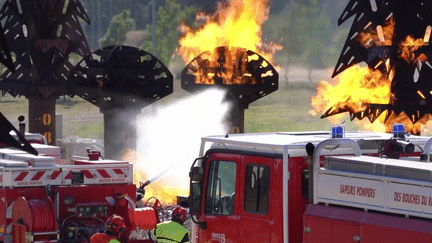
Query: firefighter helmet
point(179, 213)
point(116, 224)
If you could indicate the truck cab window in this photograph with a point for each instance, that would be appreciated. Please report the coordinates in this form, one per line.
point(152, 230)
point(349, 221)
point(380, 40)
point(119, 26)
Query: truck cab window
point(257, 188)
point(221, 188)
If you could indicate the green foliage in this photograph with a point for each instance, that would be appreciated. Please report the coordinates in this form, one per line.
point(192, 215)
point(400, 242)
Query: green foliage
point(101, 13)
point(118, 27)
point(308, 31)
point(309, 28)
point(168, 18)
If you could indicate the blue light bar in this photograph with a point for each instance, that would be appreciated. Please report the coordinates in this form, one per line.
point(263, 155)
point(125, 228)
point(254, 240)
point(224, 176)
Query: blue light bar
point(337, 131)
point(398, 131)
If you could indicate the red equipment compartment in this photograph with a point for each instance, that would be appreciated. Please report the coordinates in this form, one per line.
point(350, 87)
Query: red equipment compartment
point(99, 194)
point(145, 218)
point(37, 214)
point(11, 194)
point(331, 224)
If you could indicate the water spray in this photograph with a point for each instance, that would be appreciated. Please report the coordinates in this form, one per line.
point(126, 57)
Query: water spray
point(158, 139)
point(141, 190)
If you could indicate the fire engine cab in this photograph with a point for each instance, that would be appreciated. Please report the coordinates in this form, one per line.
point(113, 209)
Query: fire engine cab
point(313, 187)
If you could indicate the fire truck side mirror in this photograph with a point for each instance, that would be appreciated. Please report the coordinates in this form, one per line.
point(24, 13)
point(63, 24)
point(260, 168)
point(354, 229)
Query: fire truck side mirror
point(310, 148)
point(196, 173)
point(196, 186)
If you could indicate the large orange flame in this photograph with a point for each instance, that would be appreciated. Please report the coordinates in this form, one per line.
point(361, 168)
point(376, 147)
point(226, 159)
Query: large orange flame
point(162, 189)
point(353, 88)
point(236, 23)
point(358, 86)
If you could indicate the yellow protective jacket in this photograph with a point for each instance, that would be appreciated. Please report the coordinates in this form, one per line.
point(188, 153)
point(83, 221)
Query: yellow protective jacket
point(169, 232)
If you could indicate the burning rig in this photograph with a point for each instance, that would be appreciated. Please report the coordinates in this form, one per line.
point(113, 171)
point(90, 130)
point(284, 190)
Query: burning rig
point(392, 38)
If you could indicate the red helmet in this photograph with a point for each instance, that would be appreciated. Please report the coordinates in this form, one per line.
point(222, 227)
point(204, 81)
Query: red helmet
point(179, 213)
point(116, 223)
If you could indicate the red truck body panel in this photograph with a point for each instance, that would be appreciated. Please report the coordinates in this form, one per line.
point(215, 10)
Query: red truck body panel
point(332, 224)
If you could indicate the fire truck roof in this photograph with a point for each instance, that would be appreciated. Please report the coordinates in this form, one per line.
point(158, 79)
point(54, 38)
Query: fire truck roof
point(266, 142)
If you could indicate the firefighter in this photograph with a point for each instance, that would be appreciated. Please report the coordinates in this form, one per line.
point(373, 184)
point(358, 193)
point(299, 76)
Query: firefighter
point(172, 231)
point(115, 227)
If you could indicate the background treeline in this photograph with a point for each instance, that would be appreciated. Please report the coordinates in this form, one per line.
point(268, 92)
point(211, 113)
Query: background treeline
point(306, 28)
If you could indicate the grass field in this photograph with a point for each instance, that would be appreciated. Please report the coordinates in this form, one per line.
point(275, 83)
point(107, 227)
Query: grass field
point(284, 110)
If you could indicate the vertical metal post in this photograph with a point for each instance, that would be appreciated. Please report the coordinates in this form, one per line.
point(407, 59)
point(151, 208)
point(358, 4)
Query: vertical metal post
point(119, 133)
point(153, 106)
point(154, 27)
point(42, 117)
point(99, 29)
point(285, 194)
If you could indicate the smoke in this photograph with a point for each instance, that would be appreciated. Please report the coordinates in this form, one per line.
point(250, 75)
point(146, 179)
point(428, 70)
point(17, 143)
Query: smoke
point(169, 139)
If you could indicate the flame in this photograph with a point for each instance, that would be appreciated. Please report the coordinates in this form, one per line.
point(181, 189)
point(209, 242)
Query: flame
point(234, 68)
point(382, 35)
point(236, 23)
point(358, 86)
point(162, 189)
point(409, 46)
point(353, 88)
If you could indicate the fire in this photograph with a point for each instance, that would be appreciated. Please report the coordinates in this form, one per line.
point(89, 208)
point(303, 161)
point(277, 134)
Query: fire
point(162, 189)
point(409, 46)
point(353, 88)
point(382, 35)
point(236, 23)
point(358, 86)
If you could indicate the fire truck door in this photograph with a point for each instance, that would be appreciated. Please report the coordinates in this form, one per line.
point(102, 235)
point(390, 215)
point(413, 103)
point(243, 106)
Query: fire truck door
point(220, 209)
point(254, 214)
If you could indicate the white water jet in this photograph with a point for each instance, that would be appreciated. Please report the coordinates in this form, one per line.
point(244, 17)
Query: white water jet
point(169, 141)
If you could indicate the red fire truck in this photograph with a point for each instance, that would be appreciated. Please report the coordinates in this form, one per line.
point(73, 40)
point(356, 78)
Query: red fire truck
point(361, 187)
point(44, 201)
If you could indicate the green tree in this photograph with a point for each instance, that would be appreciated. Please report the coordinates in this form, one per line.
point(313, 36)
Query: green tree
point(168, 18)
point(118, 27)
point(318, 32)
point(304, 29)
point(101, 13)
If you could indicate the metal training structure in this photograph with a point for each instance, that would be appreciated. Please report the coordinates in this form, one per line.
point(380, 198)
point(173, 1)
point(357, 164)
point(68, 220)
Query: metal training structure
point(399, 46)
point(121, 80)
point(244, 74)
point(41, 36)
